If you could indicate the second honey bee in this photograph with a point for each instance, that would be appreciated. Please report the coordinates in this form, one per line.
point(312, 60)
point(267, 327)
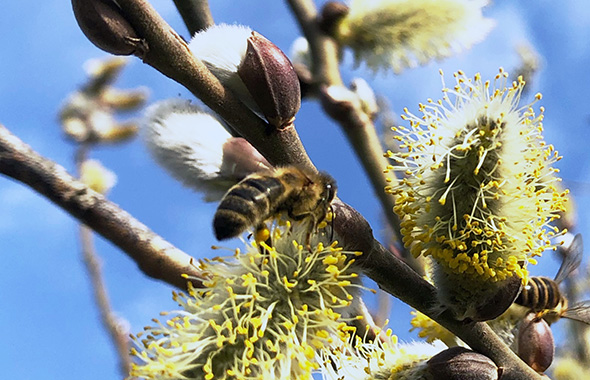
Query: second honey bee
point(299, 192)
point(543, 296)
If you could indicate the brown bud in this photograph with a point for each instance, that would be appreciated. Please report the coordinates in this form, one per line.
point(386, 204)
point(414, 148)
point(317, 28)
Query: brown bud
point(270, 78)
point(535, 342)
point(102, 72)
point(500, 302)
point(117, 133)
point(104, 24)
point(124, 100)
point(75, 128)
point(459, 363)
point(330, 16)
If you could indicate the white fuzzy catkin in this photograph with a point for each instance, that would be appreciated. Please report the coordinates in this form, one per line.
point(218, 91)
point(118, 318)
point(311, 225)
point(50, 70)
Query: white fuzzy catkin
point(380, 359)
point(188, 143)
point(222, 48)
point(400, 34)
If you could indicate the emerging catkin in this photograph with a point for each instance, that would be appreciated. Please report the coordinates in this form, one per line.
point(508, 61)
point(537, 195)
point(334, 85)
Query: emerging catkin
point(265, 313)
point(478, 191)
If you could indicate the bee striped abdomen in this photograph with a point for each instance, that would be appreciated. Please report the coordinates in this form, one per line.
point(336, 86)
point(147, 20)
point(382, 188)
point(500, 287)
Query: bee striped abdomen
point(541, 293)
point(246, 204)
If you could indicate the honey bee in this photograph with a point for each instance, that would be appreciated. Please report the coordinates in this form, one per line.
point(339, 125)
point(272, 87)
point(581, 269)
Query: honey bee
point(299, 192)
point(543, 296)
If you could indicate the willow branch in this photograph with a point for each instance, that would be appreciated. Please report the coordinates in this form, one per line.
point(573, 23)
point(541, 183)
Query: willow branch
point(324, 49)
point(154, 256)
point(362, 135)
point(170, 55)
point(195, 14)
point(119, 335)
point(398, 279)
point(354, 122)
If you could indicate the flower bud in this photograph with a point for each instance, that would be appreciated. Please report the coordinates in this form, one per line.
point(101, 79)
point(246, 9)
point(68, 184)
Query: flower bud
point(498, 303)
point(459, 363)
point(535, 342)
point(102, 73)
point(269, 76)
point(116, 133)
point(193, 146)
point(104, 24)
point(300, 53)
point(124, 100)
point(97, 177)
point(75, 128)
point(332, 13)
point(257, 71)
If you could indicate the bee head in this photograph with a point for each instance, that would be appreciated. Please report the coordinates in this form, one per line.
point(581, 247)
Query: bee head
point(329, 191)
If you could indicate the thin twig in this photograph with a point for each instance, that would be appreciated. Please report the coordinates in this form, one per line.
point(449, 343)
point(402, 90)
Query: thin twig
point(170, 55)
point(119, 335)
point(354, 122)
point(324, 50)
point(114, 325)
point(195, 14)
point(155, 256)
point(398, 279)
point(362, 135)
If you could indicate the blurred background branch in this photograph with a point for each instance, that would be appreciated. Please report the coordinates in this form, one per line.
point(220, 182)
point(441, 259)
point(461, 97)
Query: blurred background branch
point(154, 256)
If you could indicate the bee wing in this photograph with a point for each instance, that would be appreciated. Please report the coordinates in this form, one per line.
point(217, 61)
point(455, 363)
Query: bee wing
point(572, 258)
point(579, 311)
point(241, 159)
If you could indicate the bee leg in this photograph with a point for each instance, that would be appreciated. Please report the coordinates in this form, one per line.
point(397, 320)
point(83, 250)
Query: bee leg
point(313, 225)
point(329, 219)
point(262, 235)
point(308, 240)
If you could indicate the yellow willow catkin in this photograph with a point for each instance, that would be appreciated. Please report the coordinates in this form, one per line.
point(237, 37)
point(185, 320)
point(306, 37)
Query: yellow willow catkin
point(266, 313)
point(398, 34)
point(478, 191)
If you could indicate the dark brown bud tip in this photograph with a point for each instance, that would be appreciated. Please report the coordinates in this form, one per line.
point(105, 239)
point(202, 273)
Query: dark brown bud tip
point(458, 363)
point(535, 342)
point(104, 24)
point(496, 305)
point(330, 16)
point(271, 80)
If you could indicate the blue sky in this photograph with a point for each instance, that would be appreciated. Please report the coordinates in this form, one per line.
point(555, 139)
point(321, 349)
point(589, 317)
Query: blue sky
point(50, 325)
